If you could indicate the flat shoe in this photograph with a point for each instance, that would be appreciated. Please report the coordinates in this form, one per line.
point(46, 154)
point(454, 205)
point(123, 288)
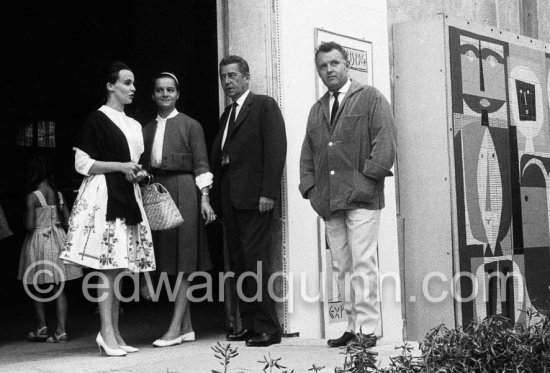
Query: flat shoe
point(188, 337)
point(55, 338)
point(164, 343)
point(38, 335)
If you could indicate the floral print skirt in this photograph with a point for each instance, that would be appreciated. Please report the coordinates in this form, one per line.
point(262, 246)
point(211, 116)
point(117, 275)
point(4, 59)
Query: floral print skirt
point(94, 242)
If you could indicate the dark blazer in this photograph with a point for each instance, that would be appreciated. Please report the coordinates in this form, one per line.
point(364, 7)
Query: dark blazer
point(256, 149)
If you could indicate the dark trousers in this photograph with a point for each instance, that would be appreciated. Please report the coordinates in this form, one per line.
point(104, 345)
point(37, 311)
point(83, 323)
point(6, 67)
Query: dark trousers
point(248, 234)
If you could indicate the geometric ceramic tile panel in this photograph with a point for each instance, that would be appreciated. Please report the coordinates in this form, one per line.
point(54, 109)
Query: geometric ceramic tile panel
point(525, 101)
point(483, 89)
point(500, 96)
point(534, 205)
point(497, 293)
point(525, 91)
point(527, 69)
point(482, 151)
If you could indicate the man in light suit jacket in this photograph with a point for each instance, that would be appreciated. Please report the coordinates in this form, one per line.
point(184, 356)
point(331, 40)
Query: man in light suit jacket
point(348, 151)
point(248, 158)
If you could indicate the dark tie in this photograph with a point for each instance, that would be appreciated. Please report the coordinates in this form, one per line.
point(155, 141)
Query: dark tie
point(230, 128)
point(335, 106)
point(231, 124)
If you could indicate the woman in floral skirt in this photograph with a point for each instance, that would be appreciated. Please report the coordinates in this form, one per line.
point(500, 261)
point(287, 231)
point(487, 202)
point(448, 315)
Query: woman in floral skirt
point(108, 229)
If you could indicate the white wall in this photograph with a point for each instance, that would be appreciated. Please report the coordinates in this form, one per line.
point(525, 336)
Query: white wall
point(364, 19)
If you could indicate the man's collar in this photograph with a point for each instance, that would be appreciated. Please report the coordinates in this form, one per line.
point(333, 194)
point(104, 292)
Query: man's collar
point(344, 89)
point(240, 100)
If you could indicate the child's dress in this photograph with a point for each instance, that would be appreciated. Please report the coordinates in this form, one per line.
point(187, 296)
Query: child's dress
point(40, 262)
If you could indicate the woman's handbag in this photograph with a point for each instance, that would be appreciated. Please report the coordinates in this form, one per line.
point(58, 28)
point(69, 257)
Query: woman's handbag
point(160, 208)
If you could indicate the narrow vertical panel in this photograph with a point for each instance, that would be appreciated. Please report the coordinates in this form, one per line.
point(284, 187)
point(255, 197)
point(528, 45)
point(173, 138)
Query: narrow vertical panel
point(420, 105)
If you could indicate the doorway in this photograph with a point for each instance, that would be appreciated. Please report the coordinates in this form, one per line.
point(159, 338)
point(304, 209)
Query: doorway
point(52, 60)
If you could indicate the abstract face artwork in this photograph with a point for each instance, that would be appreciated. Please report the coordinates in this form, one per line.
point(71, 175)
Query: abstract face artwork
point(527, 112)
point(502, 167)
point(527, 109)
point(483, 79)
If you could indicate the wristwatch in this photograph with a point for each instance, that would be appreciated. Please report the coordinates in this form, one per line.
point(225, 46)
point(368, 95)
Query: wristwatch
point(205, 194)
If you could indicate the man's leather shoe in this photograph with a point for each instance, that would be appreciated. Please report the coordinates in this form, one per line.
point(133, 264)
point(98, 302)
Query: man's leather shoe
point(242, 335)
point(367, 340)
point(346, 338)
point(263, 340)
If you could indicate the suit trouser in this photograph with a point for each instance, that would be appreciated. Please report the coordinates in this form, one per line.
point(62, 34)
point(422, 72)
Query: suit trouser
point(248, 234)
point(353, 241)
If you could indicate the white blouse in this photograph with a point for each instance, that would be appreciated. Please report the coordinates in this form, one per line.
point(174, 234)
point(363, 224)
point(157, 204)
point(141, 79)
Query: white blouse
point(133, 133)
point(131, 130)
point(158, 142)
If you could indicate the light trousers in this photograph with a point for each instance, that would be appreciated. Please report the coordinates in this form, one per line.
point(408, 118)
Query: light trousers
point(352, 237)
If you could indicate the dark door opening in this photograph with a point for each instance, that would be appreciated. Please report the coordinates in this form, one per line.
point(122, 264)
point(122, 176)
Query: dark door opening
point(52, 57)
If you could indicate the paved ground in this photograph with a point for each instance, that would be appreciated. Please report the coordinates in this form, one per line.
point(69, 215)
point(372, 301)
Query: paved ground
point(82, 356)
point(141, 324)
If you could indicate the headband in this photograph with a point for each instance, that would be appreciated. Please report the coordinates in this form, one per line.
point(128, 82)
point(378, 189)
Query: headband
point(172, 76)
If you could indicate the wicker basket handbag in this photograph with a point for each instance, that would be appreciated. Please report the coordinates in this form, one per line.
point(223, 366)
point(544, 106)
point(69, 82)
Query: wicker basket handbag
point(160, 208)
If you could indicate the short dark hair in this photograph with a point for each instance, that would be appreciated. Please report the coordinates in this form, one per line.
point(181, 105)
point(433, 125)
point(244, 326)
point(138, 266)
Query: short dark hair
point(167, 74)
point(326, 47)
point(112, 70)
point(241, 62)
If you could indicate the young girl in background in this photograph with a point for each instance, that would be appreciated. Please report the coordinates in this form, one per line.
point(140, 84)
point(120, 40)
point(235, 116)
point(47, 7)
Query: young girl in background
point(40, 266)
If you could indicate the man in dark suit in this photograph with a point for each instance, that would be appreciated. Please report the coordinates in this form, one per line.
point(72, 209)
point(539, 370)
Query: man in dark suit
point(248, 158)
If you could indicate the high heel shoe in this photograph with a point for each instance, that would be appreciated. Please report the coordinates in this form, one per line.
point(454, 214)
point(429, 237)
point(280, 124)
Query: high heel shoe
point(128, 348)
point(108, 350)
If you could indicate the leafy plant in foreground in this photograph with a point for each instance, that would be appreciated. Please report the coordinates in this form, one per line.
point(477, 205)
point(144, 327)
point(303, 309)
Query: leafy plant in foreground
point(358, 356)
point(315, 368)
point(224, 353)
point(491, 345)
point(271, 363)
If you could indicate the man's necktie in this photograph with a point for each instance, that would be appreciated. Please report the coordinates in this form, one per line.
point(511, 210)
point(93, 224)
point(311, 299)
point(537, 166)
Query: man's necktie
point(230, 128)
point(231, 124)
point(335, 106)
